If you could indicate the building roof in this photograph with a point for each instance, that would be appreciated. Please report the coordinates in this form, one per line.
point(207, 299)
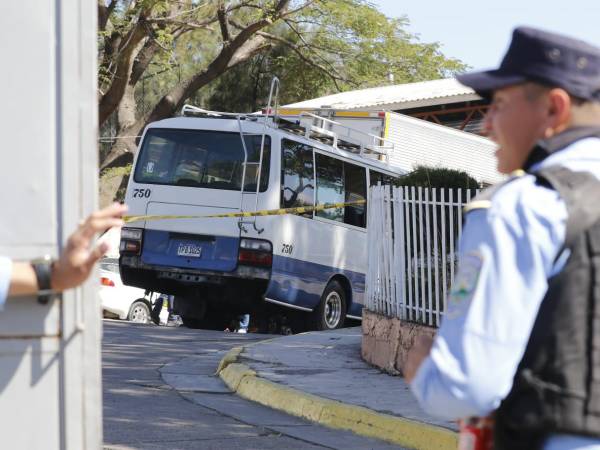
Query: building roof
point(396, 97)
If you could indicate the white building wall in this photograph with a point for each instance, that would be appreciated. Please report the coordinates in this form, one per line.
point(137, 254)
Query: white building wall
point(418, 142)
point(50, 389)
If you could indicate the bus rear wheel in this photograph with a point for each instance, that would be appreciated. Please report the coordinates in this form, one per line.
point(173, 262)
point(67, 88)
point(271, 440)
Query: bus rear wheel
point(331, 311)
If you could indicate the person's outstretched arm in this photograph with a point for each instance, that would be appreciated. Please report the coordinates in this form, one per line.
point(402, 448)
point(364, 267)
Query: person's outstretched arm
point(74, 265)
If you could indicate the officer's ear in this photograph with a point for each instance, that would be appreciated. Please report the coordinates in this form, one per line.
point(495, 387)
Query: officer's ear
point(558, 110)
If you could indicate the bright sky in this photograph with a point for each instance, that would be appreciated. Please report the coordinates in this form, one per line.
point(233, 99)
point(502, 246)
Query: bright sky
point(478, 31)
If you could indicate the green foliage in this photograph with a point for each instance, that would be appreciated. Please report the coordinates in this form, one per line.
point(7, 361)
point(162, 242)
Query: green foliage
point(163, 47)
point(438, 177)
point(112, 172)
point(350, 45)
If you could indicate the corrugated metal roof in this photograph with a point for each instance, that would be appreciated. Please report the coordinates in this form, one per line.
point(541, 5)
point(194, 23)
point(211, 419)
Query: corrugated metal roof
point(396, 97)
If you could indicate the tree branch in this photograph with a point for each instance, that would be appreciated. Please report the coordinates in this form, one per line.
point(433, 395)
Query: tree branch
point(222, 15)
point(291, 12)
point(104, 12)
point(331, 72)
point(245, 45)
point(123, 63)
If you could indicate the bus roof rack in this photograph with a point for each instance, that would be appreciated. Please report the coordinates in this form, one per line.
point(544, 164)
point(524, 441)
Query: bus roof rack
point(313, 127)
point(194, 111)
point(344, 137)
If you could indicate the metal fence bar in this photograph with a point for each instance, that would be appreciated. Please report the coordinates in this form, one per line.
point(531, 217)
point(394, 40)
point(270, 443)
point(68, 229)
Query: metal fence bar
point(421, 255)
point(399, 252)
point(380, 232)
point(380, 290)
point(459, 211)
point(436, 274)
point(444, 254)
point(451, 209)
point(386, 249)
point(371, 223)
point(413, 255)
point(427, 254)
point(408, 252)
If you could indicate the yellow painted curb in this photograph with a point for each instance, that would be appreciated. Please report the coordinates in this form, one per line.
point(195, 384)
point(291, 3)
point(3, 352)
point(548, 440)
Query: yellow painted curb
point(405, 432)
point(230, 357)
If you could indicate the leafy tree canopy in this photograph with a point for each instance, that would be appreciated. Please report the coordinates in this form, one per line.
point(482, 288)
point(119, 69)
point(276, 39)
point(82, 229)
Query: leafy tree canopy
point(155, 55)
point(438, 177)
point(334, 46)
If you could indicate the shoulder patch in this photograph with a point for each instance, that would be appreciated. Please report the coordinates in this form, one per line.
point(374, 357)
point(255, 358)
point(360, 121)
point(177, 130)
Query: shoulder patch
point(465, 283)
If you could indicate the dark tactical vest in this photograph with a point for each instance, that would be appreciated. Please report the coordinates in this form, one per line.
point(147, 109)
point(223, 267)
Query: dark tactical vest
point(557, 385)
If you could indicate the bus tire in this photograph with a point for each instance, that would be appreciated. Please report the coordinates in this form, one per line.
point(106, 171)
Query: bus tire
point(331, 311)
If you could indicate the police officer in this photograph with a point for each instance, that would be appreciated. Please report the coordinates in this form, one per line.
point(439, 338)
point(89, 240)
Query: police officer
point(521, 334)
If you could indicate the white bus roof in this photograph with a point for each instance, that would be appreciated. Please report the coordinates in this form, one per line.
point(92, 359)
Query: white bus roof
point(230, 124)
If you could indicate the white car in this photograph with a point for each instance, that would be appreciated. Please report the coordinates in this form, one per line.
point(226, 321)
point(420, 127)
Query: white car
point(118, 300)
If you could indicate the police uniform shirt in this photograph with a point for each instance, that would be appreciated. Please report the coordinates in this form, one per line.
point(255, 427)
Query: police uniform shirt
point(508, 250)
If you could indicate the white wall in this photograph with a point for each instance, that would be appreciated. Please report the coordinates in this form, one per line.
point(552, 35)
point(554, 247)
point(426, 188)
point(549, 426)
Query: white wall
point(50, 392)
point(418, 142)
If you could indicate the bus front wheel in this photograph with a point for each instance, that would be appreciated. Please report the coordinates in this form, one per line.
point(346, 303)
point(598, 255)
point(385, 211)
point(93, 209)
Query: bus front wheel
point(331, 311)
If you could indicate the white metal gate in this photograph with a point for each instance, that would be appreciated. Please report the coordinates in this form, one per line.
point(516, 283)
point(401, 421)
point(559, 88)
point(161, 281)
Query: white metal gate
point(412, 235)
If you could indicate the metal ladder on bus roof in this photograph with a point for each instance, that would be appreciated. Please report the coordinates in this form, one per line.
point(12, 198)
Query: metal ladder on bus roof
point(241, 224)
point(190, 110)
point(344, 137)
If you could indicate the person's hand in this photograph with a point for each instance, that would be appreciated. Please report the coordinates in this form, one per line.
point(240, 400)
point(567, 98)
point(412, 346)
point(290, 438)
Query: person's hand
point(79, 256)
point(418, 352)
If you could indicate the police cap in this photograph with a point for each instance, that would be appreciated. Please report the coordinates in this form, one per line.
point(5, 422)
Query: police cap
point(547, 58)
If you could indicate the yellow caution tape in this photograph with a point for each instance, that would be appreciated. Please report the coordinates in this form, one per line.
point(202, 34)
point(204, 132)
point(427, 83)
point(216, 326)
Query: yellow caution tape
point(264, 212)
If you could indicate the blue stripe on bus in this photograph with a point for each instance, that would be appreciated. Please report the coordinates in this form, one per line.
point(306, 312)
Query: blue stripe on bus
point(301, 283)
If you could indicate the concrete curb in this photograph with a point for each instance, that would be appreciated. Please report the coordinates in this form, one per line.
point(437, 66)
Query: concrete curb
point(363, 421)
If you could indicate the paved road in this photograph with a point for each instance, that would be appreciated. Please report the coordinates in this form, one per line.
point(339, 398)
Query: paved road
point(159, 393)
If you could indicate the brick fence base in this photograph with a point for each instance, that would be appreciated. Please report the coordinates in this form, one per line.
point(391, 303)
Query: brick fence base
point(386, 341)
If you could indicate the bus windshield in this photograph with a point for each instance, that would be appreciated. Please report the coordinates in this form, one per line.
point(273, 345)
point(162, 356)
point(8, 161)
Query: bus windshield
point(199, 158)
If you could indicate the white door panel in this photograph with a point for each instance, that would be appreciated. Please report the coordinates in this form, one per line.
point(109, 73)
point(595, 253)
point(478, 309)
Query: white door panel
point(221, 226)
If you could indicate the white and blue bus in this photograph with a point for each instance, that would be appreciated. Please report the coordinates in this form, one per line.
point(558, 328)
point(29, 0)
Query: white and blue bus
point(313, 263)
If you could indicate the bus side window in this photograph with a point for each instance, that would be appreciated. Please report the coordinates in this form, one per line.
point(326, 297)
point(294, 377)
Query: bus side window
point(355, 184)
point(296, 175)
point(330, 186)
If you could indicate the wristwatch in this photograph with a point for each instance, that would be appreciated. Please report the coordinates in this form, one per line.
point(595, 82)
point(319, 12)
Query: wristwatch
point(43, 272)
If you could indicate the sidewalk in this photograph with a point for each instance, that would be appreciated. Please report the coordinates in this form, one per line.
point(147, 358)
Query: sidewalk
point(320, 376)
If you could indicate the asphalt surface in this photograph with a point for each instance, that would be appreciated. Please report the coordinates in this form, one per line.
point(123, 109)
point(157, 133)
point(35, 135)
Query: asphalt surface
point(160, 392)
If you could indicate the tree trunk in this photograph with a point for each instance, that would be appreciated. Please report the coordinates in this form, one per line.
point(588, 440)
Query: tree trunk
point(129, 130)
point(246, 44)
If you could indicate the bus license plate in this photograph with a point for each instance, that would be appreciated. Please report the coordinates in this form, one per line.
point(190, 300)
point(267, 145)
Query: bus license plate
point(189, 250)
